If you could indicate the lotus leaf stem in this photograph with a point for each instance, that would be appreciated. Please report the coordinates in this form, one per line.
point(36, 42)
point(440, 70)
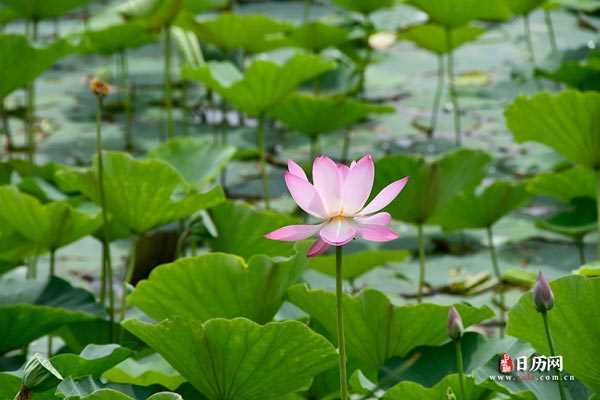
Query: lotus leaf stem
point(438, 96)
point(598, 208)
point(421, 239)
point(551, 32)
point(498, 275)
point(260, 144)
point(127, 103)
point(580, 244)
point(127, 279)
point(452, 88)
point(31, 103)
point(528, 39)
point(339, 293)
point(168, 49)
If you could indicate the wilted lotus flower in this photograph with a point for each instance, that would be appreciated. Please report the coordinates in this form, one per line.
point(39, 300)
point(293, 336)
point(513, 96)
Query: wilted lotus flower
point(455, 324)
point(337, 197)
point(542, 294)
point(382, 40)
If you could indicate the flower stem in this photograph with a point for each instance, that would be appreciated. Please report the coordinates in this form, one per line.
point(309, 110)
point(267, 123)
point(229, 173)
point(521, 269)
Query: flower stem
point(260, 144)
point(127, 100)
point(5, 127)
point(127, 279)
point(31, 145)
point(460, 367)
point(107, 267)
point(498, 275)
point(421, 239)
point(438, 96)
point(551, 33)
point(561, 389)
point(452, 88)
point(52, 270)
point(168, 83)
point(579, 243)
point(598, 208)
point(340, 324)
point(528, 39)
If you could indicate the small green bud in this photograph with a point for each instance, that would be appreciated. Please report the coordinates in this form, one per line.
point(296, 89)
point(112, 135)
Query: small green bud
point(39, 375)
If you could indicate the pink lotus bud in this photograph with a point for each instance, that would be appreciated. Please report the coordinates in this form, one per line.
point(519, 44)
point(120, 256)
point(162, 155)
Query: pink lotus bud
point(542, 294)
point(455, 324)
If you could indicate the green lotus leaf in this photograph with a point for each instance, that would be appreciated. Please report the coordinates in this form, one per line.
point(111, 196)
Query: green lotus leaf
point(140, 194)
point(156, 13)
point(444, 389)
point(567, 122)
point(241, 230)
point(146, 371)
point(199, 6)
point(365, 6)
point(251, 33)
point(78, 335)
point(456, 13)
point(24, 323)
point(7, 15)
point(114, 38)
point(571, 321)
point(356, 264)
point(317, 36)
point(565, 185)
point(189, 46)
point(94, 360)
point(314, 115)
point(524, 7)
point(482, 209)
point(581, 5)
point(238, 359)
point(36, 10)
point(263, 85)
point(576, 222)
point(376, 329)
point(197, 160)
point(188, 287)
point(15, 49)
point(49, 226)
point(431, 184)
point(91, 389)
point(14, 247)
point(432, 37)
point(579, 69)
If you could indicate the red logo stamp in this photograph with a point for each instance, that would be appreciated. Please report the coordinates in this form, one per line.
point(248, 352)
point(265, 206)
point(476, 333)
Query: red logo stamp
point(506, 364)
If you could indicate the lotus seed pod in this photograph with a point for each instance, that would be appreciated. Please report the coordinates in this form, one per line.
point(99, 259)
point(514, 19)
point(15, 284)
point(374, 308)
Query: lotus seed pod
point(542, 294)
point(455, 324)
point(99, 88)
point(39, 375)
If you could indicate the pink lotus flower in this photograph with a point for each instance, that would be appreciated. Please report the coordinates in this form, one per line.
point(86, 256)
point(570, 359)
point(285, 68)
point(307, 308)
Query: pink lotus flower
point(337, 197)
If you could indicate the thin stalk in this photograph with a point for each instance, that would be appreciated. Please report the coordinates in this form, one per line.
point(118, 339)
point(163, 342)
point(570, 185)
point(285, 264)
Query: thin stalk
point(346, 145)
point(168, 83)
point(561, 389)
point(31, 104)
point(528, 38)
point(128, 139)
point(106, 235)
point(314, 147)
point(103, 274)
point(5, 126)
point(581, 250)
point(421, 238)
point(438, 95)
point(460, 367)
point(306, 15)
point(260, 144)
point(185, 89)
point(452, 88)
point(340, 324)
point(127, 279)
point(551, 32)
point(498, 275)
point(598, 209)
point(52, 271)
point(31, 268)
